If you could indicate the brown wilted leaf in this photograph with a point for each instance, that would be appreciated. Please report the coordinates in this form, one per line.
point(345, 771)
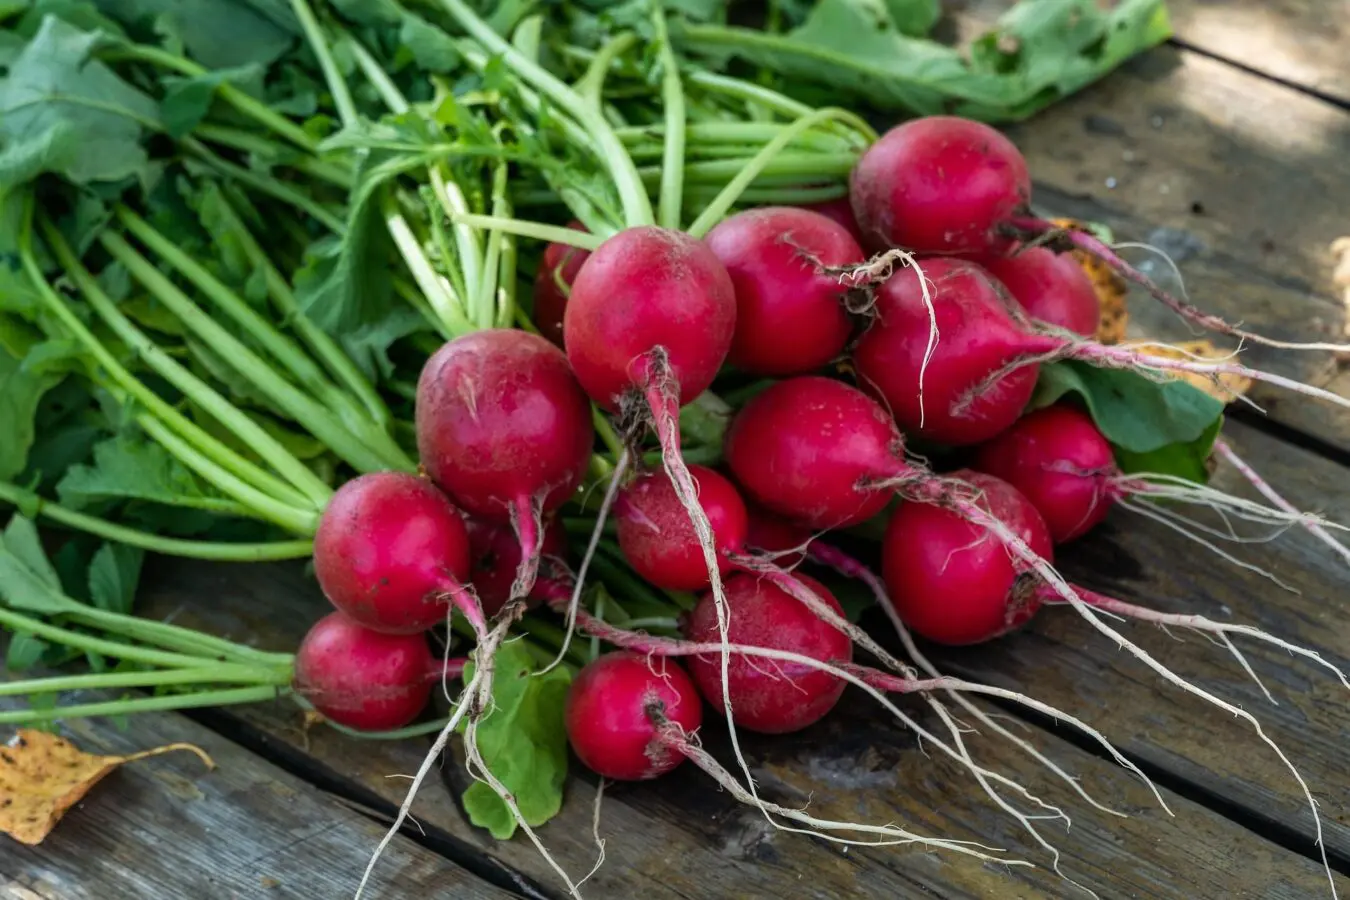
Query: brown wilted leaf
point(43, 775)
point(1229, 386)
point(1110, 287)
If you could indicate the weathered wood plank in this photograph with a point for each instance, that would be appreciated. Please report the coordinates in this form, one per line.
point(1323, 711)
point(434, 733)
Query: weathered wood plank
point(680, 837)
point(1061, 659)
point(1298, 41)
point(1241, 180)
point(165, 827)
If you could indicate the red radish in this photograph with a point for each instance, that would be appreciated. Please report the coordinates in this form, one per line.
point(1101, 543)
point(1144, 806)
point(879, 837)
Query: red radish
point(1051, 287)
point(950, 398)
point(940, 184)
point(841, 211)
point(391, 552)
point(1060, 461)
point(953, 581)
point(657, 537)
point(505, 429)
point(772, 697)
point(790, 311)
point(615, 710)
point(496, 558)
point(364, 679)
point(776, 537)
point(806, 447)
point(642, 289)
point(553, 284)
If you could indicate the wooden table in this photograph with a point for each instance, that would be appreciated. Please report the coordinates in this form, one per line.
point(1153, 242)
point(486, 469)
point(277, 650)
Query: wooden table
point(1230, 148)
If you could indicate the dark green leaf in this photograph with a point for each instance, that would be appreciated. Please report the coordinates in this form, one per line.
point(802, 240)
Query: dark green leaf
point(1184, 459)
point(127, 467)
point(219, 34)
point(914, 17)
point(63, 112)
point(27, 579)
point(21, 391)
point(1135, 413)
point(82, 14)
point(24, 652)
point(523, 742)
point(430, 47)
point(113, 575)
point(188, 100)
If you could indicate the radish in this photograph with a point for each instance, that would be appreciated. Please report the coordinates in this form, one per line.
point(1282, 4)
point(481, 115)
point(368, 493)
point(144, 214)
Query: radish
point(392, 553)
point(496, 557)
point(553, 285)
point(776, 537)
point(976, 379)
point(504, 428)
point(771, 699)
point(619, 706)
point(943, 391)
point(807, 449)
point(657, 537)
point(1051, 287)
point(952, 581)
point(840, 211)
point(1060, 462)
point(791, 311)
point(364, 679)
point(950, 185)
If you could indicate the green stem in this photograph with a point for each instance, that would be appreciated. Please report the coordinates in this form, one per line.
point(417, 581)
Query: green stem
point(143, 704)
point(718, 134)
point(378, 77)
point(342, 97)
point(32, 504)
point(789, 166)
point(715, 211)
point(305, 410)
point(250, 142)
point(267, 185)
point(672, 160)
point(637, 207)
point(537, 230)
point(484, 304)
point(158, 678)
point(452, 202)
point(608, 436)
point(591, 85)
point(166, 636)
point(333, 356)
point(167, 367)
point(16, 621)
point(445, 307)
point(510, 256)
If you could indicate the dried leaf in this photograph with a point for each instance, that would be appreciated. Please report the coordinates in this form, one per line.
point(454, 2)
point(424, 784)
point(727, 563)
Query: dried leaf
point(1229, 386)
point(1111, 290)
point(43, 775)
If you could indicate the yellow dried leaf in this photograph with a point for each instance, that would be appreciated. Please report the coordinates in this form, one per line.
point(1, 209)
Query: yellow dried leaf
point(1228, 387)
point(1111, 290)
point(43, 775)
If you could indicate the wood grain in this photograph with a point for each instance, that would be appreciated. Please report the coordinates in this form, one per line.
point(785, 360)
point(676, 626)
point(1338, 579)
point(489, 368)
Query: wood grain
point(1061, 659)
point(680, 837)
point(166, 827)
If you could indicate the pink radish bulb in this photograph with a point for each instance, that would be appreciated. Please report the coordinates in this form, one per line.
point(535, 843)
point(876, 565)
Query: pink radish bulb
point(770, 696)
point(1051, 288)
point(841, 211)
point(775, 536)
point(391, 551)
point(978, 334)
point(496, 557)
point(806, 447)
point(642, 289)
point(657, 537)
point(505, 429)
point(1059, 460)
point(937, 185)
point(954, 582)
point(553, 285)
point(614, 710)
point(364, 679)
point(790, 311)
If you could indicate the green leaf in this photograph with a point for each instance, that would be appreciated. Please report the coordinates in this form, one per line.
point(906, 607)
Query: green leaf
point(27, 579)
point(188, 100)
point(219, 34)
point(914, 17)
point(1135, 413)
point(1039, 52)
point(1184, 459)
point(523, 743)
point(68, 424)
point(113, 575)
point(62, 111)
point(430, 47)
point(21, 391)
point(129, 467)
point(24, 651)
